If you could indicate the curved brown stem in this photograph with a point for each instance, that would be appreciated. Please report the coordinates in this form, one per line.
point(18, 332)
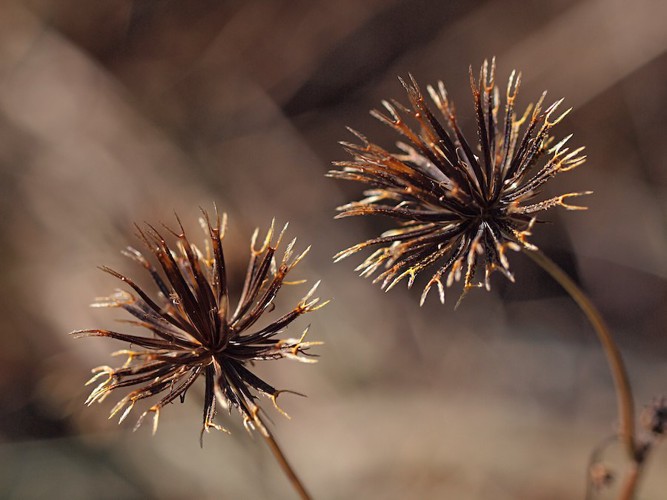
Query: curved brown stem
point(624, 398)
point(629, 487)
point(616, 365)
point(282, 460)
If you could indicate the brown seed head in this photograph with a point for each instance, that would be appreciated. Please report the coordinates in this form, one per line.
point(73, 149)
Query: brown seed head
point(457, 203)
point(195, 332)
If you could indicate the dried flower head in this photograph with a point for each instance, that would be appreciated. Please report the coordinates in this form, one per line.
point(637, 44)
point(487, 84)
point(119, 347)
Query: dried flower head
point(456, 203)
point(654, 417)
point(195, 332)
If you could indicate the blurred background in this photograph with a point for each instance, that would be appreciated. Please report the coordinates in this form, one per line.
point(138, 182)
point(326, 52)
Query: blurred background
point(114, 112)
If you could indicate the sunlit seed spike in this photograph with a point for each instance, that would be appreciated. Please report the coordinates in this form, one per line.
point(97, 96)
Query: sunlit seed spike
point(362, 267)
point(294, 282)
point(496, 101)
point(248, 424)
point(572, 164)
point(93, 396)
point(203, 224)
point(156, 418)
point(422, 299)
point(554, 106)
point(518, 123)
point(274, 400)
point(126, 352)
point(140, 420)
point(288, 250)
point(441, 292)
point(508, 274)
point(411, 280)
point(557, 148)
point(393, 282)
point(320, 305)
point(574, 153)
point(366, 271)
point(392, 110)
point(343, 254)
point(126, 412)
point(512, 87)
point(487, 278)
point(513, 246)
point(405, 85)
point(217, 427)
point(253, 240)
point(450, 278)
point(345, 144)
point(220, 396)
point(269, 236)
point(443, 91)
point(300, 257)
point(573, 195)
point(464, 292)
point(119, 406)
point(358, 134)
point(103, 394)
point(134, 254)
point(311, 291)
point(222, 225)
point(100, 371)
point(303, 334)
point(434, 95)
point(560, 118)
point(539, 103)
point(307, 306)
point(503, 260)
point(280, 236)
point(473, 84)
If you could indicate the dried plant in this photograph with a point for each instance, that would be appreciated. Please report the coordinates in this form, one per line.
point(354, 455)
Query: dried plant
point(456, 203)
point(194, 332)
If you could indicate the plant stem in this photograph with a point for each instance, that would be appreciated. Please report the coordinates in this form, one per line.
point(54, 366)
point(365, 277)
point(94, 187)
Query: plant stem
point(623, 391)
point(282, 460)
point(630, 485)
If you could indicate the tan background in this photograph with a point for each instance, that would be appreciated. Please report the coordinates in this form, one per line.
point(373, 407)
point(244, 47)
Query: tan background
point(116, 111)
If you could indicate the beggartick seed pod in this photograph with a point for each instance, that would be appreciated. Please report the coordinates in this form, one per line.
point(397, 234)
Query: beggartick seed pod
point(457, 203)
point(191, 330)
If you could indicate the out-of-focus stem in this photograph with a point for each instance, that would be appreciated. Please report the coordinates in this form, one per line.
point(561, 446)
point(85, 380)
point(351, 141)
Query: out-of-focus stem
point(629, 487)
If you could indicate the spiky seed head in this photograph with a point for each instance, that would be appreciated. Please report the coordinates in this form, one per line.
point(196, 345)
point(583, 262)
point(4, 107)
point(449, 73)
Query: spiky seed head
point(191, 332)
point(457, 203)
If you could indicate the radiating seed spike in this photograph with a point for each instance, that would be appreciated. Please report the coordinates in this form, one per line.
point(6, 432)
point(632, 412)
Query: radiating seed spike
point(156, 418)
point(281, 234)
point(126, 412)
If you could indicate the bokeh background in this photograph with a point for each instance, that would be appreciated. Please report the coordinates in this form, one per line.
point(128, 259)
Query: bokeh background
point(114, 112)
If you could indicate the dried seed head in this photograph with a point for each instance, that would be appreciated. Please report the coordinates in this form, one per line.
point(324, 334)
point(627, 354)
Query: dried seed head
point(601, 476)
point(456, 203)
point(654, 417)
point(193, 331)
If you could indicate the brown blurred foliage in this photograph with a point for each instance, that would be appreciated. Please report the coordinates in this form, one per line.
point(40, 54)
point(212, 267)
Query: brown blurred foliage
point(113, 112)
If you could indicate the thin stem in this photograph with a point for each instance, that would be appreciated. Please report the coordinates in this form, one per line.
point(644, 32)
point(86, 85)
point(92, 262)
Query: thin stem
point(282, 460)
point(623, 391)
point(631, 481)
